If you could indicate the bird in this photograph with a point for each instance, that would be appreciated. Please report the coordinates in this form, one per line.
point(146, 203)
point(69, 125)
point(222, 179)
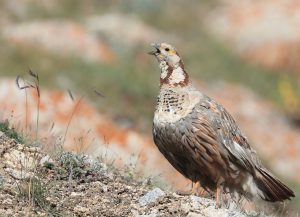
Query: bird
point(202, 141)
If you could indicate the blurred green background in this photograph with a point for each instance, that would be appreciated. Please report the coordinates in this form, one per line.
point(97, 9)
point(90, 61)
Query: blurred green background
point(131, 72)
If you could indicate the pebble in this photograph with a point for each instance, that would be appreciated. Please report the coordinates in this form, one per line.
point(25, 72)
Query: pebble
point(151, 196)
point(81, 209)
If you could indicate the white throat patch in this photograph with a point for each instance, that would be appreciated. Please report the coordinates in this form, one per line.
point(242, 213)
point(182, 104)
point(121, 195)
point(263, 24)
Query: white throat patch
point(177, 76)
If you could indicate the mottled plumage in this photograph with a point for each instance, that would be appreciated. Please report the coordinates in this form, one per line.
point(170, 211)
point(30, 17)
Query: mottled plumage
point(201, 139)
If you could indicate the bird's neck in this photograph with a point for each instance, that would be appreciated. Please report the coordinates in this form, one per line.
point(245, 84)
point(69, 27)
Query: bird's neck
point(173, 75)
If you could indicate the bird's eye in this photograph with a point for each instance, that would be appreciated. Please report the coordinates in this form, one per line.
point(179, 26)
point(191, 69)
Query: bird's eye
point(167, 49)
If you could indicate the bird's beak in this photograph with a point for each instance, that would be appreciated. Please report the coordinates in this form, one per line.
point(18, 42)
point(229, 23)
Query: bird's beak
point(157, 47)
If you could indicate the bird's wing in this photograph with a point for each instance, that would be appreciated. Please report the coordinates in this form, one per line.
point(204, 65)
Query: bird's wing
point(202, 140)
point(227, 133)
point(191, 146)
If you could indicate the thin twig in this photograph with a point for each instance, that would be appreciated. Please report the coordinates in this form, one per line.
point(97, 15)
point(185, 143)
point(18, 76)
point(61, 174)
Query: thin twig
point(26, 110)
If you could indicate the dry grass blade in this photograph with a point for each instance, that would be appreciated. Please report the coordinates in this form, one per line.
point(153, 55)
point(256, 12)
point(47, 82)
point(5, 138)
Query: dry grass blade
point(36, 86)
point(71, 95)
point(24, 86)
point(52, 126)
point(98, 93)
point(38, 90)
point(31, 73)
point(71, 117)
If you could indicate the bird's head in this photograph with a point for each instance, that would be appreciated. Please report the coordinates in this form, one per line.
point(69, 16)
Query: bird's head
point(171, 65)
point(165, 52)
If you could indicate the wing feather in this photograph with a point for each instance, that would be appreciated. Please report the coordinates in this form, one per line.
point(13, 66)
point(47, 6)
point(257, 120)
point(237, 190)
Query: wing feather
point(229, 135)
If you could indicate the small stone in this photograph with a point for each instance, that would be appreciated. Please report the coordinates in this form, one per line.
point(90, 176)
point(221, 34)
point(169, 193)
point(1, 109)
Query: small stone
point(75, 194)
point(193, 214)
point(185, 207)
point(105, 200)
point(105, 188)
point(150, 215)
point(151, 196)
point(34, 149)
point(7, 201)
point(197, 201)
point(175, 195)
point(81, 209)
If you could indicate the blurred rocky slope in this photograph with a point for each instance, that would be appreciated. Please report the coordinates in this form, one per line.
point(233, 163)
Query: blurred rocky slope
point(110, 33)
point(264, 31)
point(91, 132)
point(267, 33)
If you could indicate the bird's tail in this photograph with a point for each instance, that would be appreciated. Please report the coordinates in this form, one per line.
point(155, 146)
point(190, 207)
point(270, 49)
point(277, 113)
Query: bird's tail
point(271, 188)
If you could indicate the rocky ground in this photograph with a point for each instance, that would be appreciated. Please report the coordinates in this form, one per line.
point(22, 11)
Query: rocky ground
point(35, 184)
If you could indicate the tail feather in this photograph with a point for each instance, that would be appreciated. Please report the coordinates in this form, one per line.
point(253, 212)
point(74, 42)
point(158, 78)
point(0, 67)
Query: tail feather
point(276, 185)
point(272, 188)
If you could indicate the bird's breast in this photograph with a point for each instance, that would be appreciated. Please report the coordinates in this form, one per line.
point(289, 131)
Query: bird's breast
point(173, 106)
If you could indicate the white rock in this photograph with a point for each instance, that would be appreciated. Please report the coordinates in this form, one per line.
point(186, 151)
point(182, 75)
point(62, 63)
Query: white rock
point(151, 196)
point(76, 194)
point(104, 188)
point(19, 174)
point(19, 164)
